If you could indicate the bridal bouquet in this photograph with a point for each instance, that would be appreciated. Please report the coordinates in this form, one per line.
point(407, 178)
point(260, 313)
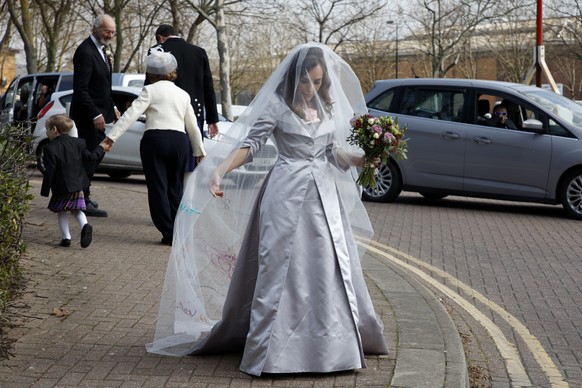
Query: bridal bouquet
point(378, 137)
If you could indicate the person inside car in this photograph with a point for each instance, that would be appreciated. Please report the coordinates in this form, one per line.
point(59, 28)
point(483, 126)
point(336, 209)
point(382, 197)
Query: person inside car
point(500, 119)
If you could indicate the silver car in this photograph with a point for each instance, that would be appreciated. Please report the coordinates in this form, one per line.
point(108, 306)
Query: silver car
point(458, 146)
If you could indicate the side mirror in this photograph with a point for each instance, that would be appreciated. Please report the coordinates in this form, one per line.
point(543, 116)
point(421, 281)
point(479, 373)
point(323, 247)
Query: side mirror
point(533, 125)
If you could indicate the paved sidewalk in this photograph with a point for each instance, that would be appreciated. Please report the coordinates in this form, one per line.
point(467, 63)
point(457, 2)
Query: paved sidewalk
point(108, 294)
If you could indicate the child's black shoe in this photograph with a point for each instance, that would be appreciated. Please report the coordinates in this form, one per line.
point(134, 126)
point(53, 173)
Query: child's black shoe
point(86, 235)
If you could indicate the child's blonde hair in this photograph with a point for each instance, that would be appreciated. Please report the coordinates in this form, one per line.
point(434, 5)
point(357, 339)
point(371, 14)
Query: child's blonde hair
point(62, 122)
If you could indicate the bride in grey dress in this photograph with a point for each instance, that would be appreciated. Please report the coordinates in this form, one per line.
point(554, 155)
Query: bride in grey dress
point(270, 266)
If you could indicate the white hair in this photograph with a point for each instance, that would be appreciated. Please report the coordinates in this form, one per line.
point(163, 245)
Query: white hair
point(98, 22)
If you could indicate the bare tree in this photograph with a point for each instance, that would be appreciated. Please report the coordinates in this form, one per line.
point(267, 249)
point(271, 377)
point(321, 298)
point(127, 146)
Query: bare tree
point(567, 24)
point(22, 16)
point(258, 43)
point(56, 27)
point(568, 70)
point(334, 19)
point(215, 13)
point(511, 41)
point(370, 54)
point(446, 26)
point(6, 26)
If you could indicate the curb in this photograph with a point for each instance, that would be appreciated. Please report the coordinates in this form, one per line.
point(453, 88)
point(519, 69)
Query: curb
point(429, 350)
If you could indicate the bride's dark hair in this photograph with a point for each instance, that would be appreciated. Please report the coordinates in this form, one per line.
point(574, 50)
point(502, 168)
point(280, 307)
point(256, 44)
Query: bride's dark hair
point(287, 87)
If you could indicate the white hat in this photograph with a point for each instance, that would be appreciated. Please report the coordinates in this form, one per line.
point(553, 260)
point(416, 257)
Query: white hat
point(160, 63)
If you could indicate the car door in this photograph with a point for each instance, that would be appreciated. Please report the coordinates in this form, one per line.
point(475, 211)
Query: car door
point(432, 117)
point(18, 101)
point(125, 153)
point(7, 103)
point(505, 161)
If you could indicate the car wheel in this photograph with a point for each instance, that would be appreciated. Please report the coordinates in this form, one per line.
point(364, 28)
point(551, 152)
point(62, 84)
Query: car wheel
point(119, 174)
point(432, 195)
point(571, 194)
point(388, 185)
point(39, 154)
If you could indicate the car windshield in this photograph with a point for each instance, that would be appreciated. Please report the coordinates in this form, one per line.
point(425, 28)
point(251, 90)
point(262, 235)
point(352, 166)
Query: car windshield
point(565, 108)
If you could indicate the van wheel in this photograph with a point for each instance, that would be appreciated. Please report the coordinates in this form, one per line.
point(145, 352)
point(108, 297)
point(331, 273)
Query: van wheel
point(571, 194)
point(39, 154)
point(388, 185)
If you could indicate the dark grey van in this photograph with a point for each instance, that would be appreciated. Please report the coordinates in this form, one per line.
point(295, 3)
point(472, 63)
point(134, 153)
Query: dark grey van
point(20, 101)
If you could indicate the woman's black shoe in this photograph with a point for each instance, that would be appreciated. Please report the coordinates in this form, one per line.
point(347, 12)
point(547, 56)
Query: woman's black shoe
point(66, 242)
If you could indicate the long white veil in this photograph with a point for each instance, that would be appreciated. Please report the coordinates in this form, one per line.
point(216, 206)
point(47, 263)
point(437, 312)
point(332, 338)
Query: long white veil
point(208, 231)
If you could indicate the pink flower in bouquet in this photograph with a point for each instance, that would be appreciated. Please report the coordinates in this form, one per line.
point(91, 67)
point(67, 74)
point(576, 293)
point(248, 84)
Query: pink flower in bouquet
point(378, 137)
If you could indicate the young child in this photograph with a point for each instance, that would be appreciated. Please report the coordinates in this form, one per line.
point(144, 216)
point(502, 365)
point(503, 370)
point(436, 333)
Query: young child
point(66, 177)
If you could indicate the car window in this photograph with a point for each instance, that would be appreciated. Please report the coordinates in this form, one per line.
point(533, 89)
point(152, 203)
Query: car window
point(123, 100)
point(136, 83)
point(434, 104)
point(9, 95)
point(516, 114)
point(556, 129)
point(23, 99)
point(383, 101)
point(65, 83)
point(66, 99)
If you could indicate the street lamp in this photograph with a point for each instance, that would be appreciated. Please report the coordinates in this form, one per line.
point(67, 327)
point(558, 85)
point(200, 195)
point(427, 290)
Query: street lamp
point(396, 64)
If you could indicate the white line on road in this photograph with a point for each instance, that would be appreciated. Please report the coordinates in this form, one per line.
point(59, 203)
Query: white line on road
point(508, 350)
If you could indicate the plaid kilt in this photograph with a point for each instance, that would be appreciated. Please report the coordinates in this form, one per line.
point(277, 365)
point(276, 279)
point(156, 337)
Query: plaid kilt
point(68, 201)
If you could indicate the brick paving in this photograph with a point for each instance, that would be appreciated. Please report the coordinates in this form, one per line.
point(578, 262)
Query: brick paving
point(109, 296)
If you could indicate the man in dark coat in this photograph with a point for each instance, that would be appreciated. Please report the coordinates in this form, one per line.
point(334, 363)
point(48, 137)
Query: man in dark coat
point(92, 106)
point(194, 76)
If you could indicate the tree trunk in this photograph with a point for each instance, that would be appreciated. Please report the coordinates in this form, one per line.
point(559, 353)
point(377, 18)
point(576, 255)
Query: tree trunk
point(224, 56)
point(24, 28)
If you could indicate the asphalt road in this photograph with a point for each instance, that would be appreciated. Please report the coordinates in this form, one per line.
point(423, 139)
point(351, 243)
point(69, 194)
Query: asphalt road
point(510, 274)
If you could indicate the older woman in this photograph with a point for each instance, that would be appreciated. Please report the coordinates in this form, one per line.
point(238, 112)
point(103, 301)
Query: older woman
point(164, 147)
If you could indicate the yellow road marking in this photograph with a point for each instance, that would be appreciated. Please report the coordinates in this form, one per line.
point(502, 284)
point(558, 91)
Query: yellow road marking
point(508, 350)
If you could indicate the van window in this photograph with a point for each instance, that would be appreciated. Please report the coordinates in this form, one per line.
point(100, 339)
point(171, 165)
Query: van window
point(23, 99)
point(136, 83)
point(383, 101)
point(9, 95)
point(435, 104)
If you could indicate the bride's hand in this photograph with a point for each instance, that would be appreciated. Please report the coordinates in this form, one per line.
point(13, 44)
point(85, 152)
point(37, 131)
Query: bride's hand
point(376, 162)
point(214, 186)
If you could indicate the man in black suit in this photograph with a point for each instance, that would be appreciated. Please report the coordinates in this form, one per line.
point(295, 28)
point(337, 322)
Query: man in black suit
point(194, 77)
point(92, 106)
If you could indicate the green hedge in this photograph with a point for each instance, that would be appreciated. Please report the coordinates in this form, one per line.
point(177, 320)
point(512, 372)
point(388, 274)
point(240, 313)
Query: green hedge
point(15, 161)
